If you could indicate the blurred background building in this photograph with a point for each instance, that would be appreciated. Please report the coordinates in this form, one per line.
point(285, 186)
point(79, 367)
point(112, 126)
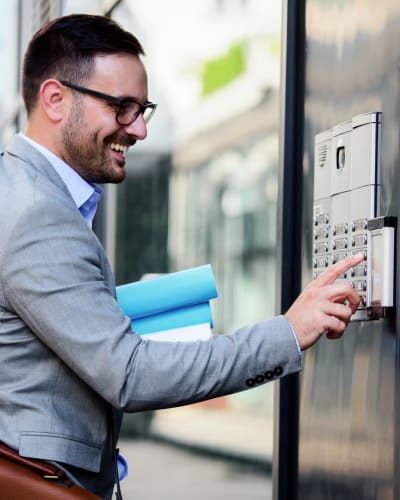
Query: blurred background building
point(203, 186)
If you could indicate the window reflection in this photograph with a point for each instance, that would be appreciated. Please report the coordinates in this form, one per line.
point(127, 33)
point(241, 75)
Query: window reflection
point(202, 188)
point(209, 192)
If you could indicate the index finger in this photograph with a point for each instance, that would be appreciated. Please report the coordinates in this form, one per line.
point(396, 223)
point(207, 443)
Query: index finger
point(332, 273)
point(343, 293)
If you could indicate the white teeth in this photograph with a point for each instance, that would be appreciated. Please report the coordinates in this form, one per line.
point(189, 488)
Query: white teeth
point(120, 148)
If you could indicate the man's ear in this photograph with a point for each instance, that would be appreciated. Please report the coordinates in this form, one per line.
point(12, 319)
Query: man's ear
point(53, 100)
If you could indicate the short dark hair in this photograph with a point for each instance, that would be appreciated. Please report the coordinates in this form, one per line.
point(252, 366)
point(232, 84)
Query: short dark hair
point(65, 49)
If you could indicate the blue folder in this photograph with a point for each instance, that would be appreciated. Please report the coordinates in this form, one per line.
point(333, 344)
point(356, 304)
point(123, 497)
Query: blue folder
point(176, 318)
point(169, 301)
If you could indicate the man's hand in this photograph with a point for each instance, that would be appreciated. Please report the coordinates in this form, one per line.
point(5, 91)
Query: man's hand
point(325, 306)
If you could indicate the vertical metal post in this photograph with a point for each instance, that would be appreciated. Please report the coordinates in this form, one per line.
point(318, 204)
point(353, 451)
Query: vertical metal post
point(286, 422)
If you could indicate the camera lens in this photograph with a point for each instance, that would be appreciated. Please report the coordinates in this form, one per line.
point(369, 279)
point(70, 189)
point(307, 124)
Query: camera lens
point(340, 157)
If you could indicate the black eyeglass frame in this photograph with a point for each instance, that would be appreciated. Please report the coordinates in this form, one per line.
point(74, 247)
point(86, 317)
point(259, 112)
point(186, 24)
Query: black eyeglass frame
point(116, 101)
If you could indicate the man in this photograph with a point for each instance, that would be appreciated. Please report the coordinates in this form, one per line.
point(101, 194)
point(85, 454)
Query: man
point(69, 363)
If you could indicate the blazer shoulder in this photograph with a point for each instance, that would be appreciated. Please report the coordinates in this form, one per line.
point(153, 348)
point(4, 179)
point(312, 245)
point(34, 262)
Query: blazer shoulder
point(21, 162)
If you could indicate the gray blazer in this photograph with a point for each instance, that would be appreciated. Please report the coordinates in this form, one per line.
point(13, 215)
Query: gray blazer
point(67, 353)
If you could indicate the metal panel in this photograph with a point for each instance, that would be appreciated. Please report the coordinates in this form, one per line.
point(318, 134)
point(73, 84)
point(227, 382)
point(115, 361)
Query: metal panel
point(349, 403)
point(288, 240)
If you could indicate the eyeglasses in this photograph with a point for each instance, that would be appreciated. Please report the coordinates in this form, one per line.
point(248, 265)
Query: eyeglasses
point(128, 109)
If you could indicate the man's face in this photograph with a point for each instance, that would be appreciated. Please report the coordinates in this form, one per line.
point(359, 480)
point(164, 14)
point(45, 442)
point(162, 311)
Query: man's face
point(94, 144)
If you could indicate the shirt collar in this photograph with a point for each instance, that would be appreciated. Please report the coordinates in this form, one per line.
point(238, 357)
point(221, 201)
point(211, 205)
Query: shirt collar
point(80, 190)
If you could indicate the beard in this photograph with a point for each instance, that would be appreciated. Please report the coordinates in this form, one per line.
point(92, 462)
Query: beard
point(86, 153)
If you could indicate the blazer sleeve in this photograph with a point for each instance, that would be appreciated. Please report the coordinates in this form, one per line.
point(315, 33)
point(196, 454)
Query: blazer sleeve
point(52, 274)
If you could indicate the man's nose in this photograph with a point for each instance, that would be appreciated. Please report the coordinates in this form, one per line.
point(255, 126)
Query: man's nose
point(137, 128)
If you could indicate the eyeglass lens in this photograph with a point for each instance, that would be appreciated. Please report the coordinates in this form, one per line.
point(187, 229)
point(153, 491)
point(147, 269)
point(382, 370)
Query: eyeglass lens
point(130, 110)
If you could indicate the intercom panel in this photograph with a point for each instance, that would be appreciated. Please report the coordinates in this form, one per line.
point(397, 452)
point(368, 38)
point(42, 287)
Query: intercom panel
point(346, 193)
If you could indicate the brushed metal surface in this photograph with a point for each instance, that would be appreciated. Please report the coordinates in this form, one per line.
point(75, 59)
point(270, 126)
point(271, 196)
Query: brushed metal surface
point(349, 409)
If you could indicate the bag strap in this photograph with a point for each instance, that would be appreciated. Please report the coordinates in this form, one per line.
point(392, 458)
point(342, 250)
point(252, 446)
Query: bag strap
point(115, 451)
point(46, 470)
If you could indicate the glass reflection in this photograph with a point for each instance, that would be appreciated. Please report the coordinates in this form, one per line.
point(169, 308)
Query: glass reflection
point(214, 70)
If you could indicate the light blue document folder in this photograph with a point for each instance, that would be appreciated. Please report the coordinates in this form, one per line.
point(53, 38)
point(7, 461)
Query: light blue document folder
point(176, 318)
point(169, 301)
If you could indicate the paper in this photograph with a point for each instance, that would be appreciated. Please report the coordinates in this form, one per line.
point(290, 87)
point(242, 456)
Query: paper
point(185, 334)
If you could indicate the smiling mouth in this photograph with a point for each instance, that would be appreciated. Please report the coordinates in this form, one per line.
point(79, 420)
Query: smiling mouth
point(119, 148)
